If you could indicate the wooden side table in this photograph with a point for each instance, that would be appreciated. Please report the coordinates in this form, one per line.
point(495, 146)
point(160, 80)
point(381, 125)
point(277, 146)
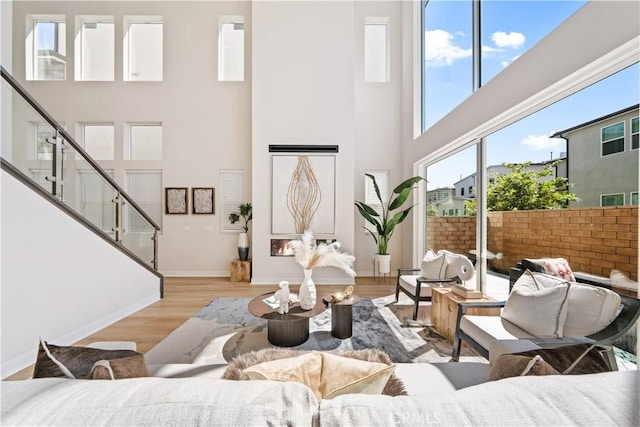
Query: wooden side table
point(342, 316)
point(444, 311)
point(240, 271)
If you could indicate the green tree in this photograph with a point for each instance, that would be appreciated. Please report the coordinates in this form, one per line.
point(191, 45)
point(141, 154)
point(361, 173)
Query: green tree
point(525, 189)
point(432, 210)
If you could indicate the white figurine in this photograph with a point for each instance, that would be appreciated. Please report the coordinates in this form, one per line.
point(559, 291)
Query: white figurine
point(282, 296)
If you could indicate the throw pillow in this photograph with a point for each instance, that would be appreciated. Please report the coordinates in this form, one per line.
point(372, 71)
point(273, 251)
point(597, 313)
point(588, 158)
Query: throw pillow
point(115, 369)
point(589, 309)
point(558, 267)
point(434, 268)
point(72, 362)
point(538, 305)
point(571, 360)
point(429, 255)
point(394, 386)
point(515, 365)
point(327, 375)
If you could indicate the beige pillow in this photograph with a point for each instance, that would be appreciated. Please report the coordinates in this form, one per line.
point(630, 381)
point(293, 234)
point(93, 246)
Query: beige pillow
point(538, 304)
point(589, 309)
point(434, 268)
point(327, 375)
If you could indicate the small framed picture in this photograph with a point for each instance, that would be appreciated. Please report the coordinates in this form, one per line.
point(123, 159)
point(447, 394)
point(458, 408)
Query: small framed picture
point(175, 200)
point(203, 200)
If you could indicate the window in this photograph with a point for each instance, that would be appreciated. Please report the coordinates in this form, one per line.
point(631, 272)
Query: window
point(634, 198)
point(98, 140)
point(95, 199)
point(46, 50)
point(461, 191)
point(231, 49)
point(376, 49)
point(232, 196)
point(144, 142)
point(612, 199)
point(94, 48)
point(143, 48)
point(612, 138)
point(370, 197)
point(470, 190)
point(634, 133)
point(145, 188)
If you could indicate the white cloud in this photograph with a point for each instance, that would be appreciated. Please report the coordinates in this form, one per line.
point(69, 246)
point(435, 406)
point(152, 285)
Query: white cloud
point(511, 40)
point(507, 62)
point(440, 49)
point(542, 142)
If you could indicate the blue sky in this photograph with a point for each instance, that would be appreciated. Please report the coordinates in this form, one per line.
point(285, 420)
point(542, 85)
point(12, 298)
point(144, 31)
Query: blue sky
point(509, 28)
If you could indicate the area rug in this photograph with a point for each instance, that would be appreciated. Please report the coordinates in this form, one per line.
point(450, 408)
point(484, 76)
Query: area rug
point(225, 328)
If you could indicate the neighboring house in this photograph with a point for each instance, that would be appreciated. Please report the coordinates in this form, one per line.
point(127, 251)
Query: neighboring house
point(603, 159)
point(465, 188)
point(443, 202)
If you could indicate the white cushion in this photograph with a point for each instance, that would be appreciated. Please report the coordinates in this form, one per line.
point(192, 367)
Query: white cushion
point(486, 329)
point(429, 255)
point(590, 309)
point(434, 268)
point(409, 284)
point(538, 304)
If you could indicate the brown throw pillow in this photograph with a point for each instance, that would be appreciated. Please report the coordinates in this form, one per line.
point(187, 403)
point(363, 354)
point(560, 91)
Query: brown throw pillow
point(394, 386)
point(571, 360)
point(72, 362)
point(115, 369)
point(514, 365)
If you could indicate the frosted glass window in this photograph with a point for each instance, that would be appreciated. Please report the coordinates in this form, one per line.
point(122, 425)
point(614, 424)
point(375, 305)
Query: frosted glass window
point(95, 50)
point(145, 188)
point(145, 142)
point(232, 183)
point(231, 49)
point(376, 52)
point(98, 140)
point(370, 196)
point(46, 57)
point(143, 49)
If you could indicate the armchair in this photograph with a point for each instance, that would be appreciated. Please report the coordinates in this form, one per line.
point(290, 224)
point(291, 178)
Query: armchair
point(480, 332)
point(441, 270)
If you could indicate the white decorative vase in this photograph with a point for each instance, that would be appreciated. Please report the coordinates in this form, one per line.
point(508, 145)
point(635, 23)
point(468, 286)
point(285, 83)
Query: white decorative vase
point(383, 262)
point(243, 246)
point(307, 293)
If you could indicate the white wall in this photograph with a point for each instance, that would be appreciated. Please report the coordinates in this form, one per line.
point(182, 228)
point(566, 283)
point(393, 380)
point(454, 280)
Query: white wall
point(59, 281)
point(308, 88)
point(206, 123)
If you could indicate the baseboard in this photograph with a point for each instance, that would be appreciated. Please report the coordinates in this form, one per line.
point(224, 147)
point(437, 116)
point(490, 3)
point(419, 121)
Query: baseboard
point(195, 273)
point(16, 364)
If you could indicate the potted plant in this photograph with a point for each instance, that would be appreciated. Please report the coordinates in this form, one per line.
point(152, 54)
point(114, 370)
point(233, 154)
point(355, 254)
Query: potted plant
point(244, 212)
point(385, 223)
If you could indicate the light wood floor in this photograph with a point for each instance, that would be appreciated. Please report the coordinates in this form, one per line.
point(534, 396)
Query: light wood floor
point(183, 297)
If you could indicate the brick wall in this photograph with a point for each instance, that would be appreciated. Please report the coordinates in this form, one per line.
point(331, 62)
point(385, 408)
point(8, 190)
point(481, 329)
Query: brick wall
point(593, 240)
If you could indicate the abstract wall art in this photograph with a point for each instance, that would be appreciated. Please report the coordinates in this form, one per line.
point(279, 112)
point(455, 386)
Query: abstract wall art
point(303, 194)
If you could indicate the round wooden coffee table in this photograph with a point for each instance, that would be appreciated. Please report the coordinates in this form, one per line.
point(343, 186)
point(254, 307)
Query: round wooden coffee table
point(289, 329)
point(342, 316)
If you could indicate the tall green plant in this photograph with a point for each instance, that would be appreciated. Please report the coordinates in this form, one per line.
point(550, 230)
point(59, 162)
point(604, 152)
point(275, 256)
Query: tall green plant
point(385, 223)
point(246, 212)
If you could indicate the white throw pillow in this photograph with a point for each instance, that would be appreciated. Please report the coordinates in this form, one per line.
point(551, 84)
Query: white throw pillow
point(590, 309)
point(434, 268)
point(538, 304)
point(429, 255)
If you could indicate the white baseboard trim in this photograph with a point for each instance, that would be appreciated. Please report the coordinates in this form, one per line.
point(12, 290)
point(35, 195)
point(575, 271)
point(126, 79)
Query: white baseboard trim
point(16, 364)
point(195, 273)
point(296, 281)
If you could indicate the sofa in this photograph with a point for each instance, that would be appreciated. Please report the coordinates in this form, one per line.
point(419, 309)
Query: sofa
point(442, 394)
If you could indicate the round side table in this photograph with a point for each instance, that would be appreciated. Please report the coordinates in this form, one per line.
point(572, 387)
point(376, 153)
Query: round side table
point(342, 316)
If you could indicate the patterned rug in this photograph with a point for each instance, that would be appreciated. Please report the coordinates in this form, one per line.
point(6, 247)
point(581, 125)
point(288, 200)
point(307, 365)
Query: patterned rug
point(225, 328)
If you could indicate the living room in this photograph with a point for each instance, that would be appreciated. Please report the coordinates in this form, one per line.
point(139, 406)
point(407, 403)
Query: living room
point(303, 90)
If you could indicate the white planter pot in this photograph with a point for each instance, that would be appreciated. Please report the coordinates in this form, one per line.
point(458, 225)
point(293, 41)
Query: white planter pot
point(243, 246)
point(383, 263)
